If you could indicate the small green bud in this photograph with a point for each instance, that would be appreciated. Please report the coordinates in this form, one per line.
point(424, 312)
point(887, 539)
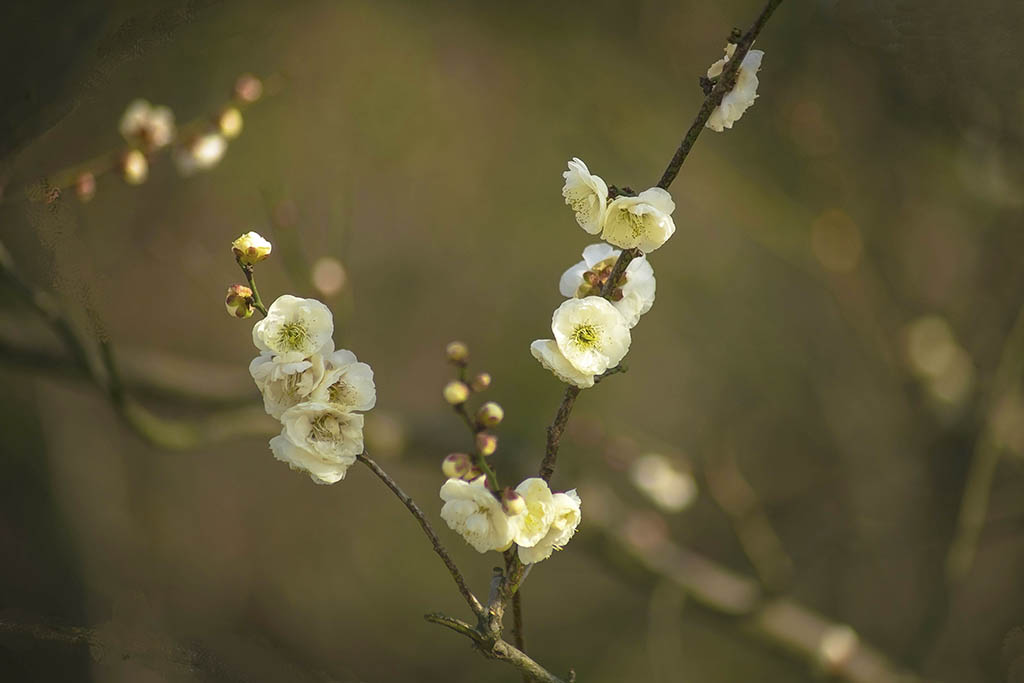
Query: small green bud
point(490, 414)
point(457, 352)
point(486, 443)
point(512, 503)
point(456, 393)
point(456, 465)
point(480, 382)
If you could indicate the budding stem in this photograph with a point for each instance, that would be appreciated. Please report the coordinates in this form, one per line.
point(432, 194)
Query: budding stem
point(257, 302)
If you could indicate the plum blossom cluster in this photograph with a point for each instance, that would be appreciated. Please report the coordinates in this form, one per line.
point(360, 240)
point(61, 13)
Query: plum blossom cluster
point(317, 392)
point(531, 516)
point(591, 328)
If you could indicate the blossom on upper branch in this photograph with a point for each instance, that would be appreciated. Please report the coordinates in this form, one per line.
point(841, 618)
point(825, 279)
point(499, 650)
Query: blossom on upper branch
point(476, 514)
point(565, 518)
point(251, 248)
point(742, 96)
point(644, 221)
point(586, 194)
point(295, 329)
point(319, 438)
point(146, 126)
point(633, 294)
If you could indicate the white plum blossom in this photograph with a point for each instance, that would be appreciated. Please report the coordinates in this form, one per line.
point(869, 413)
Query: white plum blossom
point(346, 383)
point(743, 94)
point(476, 514)
point(320, 439)
point(591, 334)
point(295, 329)
point(546, 351)
point(636, 288)
point(644, 221)
point(284, 385)
point(586, 194)
point(147, 126)
point(533, 524)
point(565, 519)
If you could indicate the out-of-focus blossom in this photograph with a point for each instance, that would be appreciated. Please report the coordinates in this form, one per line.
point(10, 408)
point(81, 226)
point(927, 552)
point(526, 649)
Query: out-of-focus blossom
point(147, 127)
point(200, 153)
point(230, 123)
point(670, 489)
point(134, 167)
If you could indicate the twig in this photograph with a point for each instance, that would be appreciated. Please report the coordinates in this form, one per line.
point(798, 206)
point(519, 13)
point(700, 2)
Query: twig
point(471, 600)
point(726, 82)
point(257, 302)
point(984, 459)
point(497, 649)
point(555, 431)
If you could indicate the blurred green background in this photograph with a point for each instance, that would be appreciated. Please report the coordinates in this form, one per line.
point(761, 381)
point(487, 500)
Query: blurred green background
point(836, 333)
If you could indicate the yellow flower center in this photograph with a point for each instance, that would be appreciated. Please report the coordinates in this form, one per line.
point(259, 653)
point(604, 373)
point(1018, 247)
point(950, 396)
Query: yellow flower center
point(585, 336)
point(293, 335)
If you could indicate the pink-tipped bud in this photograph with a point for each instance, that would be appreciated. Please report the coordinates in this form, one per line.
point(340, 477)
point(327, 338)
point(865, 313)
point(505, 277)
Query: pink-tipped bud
point(512, 503)
point(239, 301)
point(457, 465)
point(85, 186)
point(457, 353)
point(480, 382)
point(248, 88)
point(486, 443)
point(456, 393)
point(490, 414)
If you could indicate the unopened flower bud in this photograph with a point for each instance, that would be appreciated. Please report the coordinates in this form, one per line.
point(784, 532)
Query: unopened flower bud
point(456, 393)
point(239, 301)
point(248, 88)
point(512, 502)
point(457, 352)
point(230, 123)
point(456, 465)
point(480, 382)
point(134, 167)
point(616, 294)
point(591, 278)
point(251, 248)
point(486, 443)
point(85, 186)
point(490, 414)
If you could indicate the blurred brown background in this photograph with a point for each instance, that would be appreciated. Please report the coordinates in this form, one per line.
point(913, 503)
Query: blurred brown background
point(834, 331)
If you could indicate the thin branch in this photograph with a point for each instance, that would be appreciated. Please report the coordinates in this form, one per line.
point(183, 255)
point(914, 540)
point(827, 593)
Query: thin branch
point(257, 302)
point(497, 649)
point(555, 431)
point(984, 459)
point(471, 600)
point(725, 83)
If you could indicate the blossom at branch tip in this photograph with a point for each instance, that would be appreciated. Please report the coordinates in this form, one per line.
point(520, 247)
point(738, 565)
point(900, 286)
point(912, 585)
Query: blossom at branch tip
point(546, 351)
point(146, 126)
point(471, 510)
point(586, 194)
point(284, 385)
point(565, 519)
point(643, 222)
point(320, 439)
point(743, 94)
point(295, 329)
point(533, 524)
point(250, 248)
point(633, 294)
point(347, 383)
point(591, 334)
